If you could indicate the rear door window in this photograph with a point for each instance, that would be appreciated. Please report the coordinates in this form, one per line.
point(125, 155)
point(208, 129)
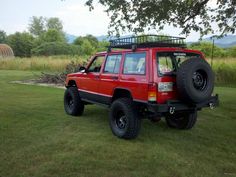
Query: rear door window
point(135, 63)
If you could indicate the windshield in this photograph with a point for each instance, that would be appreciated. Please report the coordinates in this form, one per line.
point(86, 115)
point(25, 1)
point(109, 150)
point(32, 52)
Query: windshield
point(168, 62)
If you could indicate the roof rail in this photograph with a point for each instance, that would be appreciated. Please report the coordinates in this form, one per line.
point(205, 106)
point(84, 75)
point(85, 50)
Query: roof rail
point(146, 41)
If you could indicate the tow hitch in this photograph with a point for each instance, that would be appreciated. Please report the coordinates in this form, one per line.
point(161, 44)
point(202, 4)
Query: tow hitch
point(212, 106)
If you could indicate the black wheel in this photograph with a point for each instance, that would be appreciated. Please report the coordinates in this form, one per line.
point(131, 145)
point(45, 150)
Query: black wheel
point(72, 103)
point(195, 80)
point(182, 120)
point(124, 119)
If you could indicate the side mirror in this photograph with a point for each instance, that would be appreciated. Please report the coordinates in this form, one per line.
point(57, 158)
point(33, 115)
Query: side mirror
point(82, 69)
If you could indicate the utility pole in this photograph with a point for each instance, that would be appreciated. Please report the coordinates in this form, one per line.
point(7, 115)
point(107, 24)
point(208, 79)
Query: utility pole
point(212, 50)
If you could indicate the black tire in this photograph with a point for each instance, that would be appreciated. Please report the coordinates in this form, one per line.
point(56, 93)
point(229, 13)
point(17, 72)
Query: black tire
point(182, 120)
point(72, 103)
point(195, 80)
point(124, 119)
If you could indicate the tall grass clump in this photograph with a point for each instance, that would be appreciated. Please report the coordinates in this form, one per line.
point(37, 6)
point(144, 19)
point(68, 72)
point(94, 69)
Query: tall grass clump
point(52, 64)
point(225, 71)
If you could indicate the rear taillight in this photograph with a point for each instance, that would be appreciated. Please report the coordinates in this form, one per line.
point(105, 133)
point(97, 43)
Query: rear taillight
point(165, 86)
point(152, 92)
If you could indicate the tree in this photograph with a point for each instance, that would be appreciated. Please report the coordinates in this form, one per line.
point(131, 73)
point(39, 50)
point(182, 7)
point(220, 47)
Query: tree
point(206, 48)
point(136, 16)
point(3, 36)
point(87, 48)
point(78, 41)
point(232, 51)
point(54, 23)
point(37, 26)
point(92, 40)
point(52, 35)
point(55, 48)
point(21, 43)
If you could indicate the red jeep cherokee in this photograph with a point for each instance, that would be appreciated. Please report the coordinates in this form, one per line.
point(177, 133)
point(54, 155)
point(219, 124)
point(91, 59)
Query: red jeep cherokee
point(152, 76)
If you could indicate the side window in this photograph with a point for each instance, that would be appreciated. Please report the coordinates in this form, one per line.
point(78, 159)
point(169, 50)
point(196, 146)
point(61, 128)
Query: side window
point(135, 63)
point(112, 64)
point(96, 65)
point(165, 64)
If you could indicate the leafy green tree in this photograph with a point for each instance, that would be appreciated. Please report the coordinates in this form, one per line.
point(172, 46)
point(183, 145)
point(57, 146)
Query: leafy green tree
point(3, 36)
point(87, 48)
point(78, 41)
point(52, 35)
point(88, 44)
point(136, 16)
point(102, 46)
point(206, 48)
point(21, 43)
point(232, 51)
point(37, 26)
point(92, 39)
point(54, 23)
point(56, 48)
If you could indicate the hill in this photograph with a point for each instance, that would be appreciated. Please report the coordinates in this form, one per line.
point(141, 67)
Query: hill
point(224, 42)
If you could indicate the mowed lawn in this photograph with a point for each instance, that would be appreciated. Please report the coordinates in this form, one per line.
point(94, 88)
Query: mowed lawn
point(37, 139)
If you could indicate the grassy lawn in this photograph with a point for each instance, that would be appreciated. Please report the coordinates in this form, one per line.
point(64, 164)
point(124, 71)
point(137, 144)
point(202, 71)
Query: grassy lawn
point(38, 139)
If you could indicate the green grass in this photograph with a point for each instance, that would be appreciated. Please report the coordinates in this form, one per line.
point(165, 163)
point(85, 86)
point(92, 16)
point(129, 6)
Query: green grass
point(224, 68)
point(38, 139)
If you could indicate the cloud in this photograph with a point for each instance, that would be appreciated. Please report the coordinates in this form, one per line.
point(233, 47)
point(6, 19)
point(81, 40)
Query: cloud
point(78, 20)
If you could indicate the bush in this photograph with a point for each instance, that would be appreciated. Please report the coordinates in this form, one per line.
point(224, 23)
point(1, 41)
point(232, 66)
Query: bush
point(56, 48)
point(206, 48)
point(232, 51)
point(21, 43)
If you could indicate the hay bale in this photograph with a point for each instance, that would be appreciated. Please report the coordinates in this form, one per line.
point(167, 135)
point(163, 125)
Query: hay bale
point(6, 51)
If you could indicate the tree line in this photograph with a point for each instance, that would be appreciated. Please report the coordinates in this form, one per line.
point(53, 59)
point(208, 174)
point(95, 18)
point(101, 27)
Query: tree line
point(46, 37)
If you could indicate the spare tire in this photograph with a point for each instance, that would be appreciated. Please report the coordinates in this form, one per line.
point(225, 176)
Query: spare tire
point(195, 80)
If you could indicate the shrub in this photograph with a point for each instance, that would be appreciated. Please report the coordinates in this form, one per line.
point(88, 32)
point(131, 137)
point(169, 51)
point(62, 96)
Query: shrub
point(56, 48)
point(21, 43)
point(206, 48)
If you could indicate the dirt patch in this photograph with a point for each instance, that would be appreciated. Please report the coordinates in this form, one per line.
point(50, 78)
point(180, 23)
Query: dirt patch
point(36, 82)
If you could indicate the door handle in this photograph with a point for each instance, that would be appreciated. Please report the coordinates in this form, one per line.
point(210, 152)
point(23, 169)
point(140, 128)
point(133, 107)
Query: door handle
point(114, 77)
point(97, 77)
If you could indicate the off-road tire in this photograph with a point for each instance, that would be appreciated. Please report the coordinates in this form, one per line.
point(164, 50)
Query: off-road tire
point(195, 80)
point(73, 104)
point(124, 108)
point(181, 120)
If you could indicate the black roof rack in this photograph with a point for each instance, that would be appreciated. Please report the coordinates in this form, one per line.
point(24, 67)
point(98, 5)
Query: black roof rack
point(146, 41)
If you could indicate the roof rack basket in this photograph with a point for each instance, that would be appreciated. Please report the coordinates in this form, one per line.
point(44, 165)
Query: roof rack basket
point(146, 41)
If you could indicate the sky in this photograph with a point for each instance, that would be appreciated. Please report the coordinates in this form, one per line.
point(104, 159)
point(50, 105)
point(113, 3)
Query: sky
point(76, 17)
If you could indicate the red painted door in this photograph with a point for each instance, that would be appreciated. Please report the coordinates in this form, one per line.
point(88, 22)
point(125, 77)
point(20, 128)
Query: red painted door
point(91, 78)
point(109, 78)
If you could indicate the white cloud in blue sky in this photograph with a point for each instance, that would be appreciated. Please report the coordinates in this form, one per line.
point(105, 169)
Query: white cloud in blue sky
point(76, 18)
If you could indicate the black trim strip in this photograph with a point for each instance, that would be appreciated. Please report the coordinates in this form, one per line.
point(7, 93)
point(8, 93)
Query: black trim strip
point(95, 98)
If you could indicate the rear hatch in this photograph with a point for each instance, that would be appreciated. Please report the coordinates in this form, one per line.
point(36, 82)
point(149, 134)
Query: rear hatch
point(167, 64)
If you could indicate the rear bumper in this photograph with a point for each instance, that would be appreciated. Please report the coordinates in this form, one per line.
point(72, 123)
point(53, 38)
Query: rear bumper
point(176, 105)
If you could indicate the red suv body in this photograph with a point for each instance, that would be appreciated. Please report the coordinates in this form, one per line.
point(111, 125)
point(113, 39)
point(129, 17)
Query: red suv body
point(144, 79)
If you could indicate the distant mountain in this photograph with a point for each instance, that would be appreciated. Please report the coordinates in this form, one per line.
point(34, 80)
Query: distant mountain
point(224, 42)
point(70, 38)
point(102, 38)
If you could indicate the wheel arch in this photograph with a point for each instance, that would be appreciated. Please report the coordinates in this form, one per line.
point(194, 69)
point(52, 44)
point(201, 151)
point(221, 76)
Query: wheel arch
point(71, 83)
point(121, 93)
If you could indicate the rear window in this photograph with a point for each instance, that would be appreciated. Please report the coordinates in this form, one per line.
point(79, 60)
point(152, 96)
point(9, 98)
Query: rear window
point(168, 62)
